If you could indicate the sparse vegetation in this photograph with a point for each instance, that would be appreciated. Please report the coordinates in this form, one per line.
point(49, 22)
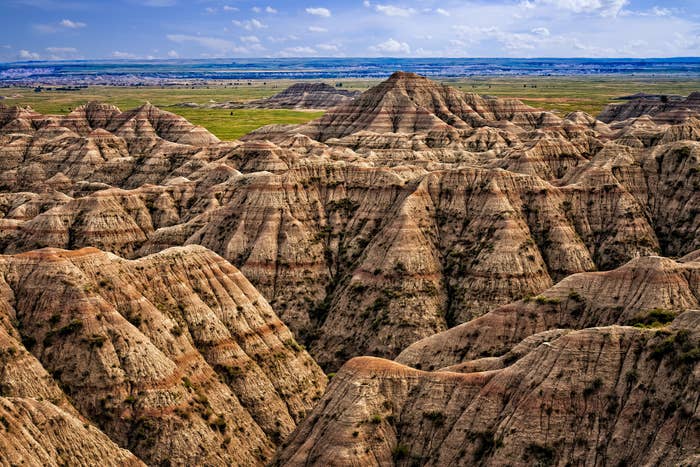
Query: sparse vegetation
point(653, 318)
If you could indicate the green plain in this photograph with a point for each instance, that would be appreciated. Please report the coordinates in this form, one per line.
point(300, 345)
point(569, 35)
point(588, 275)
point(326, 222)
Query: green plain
point(561, 95)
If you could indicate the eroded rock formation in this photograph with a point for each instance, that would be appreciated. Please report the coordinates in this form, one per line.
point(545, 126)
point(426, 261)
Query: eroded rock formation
point(175, 357)
point(596, 396)
point(411, 209)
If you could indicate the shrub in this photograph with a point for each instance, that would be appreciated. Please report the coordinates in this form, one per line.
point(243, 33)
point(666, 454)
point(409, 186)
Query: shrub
point(542, 300)
point(400, 452)
point(575, 296)
point(376, 419)
point(653, 318)
point(544, 455)
point(435, 416)
point(71, 327)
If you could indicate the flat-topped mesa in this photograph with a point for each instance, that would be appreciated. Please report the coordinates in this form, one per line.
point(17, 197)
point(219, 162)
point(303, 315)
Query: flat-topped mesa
point(306, 96)
point(662, 108)
point(175, 356)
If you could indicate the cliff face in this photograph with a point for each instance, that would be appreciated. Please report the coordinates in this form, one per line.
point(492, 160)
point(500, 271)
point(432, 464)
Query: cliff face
point(596, 396)
point(175, 357)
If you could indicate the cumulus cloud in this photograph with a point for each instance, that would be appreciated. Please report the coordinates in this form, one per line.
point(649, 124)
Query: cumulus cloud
point(317, 29)
point(393, 10)
point(229, 8)
point(269, 9)
point(323, 12)
point(544, 32)
point(298, 51)
point(61, 50)
point(601, 7)
point(28, 55)
point(250, 39)
point(329, 47)
point(61, 53)
point(251, 24)
point(70, 24)
point(173, 54)
point(392, 46)
point(442, 11)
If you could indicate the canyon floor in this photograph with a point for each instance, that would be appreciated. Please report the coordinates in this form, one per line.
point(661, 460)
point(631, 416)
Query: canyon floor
point(423, 273)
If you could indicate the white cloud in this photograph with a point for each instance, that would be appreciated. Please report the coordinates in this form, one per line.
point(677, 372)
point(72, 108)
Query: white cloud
point(122, 55)
point(61, 50)
point(392, 10)
point(392, 46)
point(250, 39)
point(269, 9)
point(323, 12)
point(61, 53)
point(544, 32)
point(173, 54)
point(299, 51)
point(656, 11)
point(229, 8)
point(288, 38)
point(67, 23)
point(602, 7)
point(442, 11)
point(256, 9)
point(317, 29)
point(214, 43)
point(251, 24)
point(328, 47)
point(28, 55)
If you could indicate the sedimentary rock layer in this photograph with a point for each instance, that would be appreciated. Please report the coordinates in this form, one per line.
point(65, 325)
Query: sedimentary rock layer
point(175, 357)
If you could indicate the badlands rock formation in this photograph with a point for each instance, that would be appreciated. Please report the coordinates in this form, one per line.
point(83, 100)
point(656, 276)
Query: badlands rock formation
point(606, 395)
point(299, 96)
point(403, 213)
point(175, 358)
point(668, 109)
point(536, 278)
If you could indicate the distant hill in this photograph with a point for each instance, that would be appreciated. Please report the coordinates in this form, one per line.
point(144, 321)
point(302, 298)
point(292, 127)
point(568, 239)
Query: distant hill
point(300, 96)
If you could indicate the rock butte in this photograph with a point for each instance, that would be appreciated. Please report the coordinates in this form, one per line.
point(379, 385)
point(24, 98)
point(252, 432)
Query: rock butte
point(497, 251)
point(300, 96)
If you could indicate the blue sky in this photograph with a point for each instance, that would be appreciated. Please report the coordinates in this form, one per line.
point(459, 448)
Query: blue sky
point(72, 29)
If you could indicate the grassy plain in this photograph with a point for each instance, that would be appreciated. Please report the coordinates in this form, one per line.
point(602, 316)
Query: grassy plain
point(561, 95)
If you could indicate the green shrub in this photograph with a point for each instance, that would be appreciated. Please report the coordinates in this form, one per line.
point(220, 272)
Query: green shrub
point(71, 327)
point(400, 452)
point(653, 318)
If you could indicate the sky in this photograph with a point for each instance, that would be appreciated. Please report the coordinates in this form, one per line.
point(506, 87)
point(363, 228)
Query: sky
point(158, 29)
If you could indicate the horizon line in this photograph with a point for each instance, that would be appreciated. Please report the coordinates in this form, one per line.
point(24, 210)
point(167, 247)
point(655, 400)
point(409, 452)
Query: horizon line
point(144, 59)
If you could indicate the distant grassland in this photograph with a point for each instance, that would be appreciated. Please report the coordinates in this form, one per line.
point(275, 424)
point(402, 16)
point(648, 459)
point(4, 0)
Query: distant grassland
point(561, 95)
